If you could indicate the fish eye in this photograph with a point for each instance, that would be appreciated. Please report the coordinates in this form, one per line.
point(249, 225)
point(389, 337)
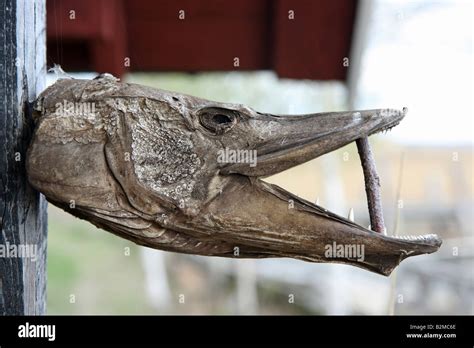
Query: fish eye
point(221, 119)
point(218, 120)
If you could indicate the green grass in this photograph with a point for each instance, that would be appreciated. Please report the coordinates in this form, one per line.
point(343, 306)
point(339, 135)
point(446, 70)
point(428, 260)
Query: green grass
point(91, 265)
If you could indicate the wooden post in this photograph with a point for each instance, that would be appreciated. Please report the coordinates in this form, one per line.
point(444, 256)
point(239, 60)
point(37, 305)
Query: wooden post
point(22, 209)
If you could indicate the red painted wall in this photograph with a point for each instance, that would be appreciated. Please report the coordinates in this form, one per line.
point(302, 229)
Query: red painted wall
point(302, 39)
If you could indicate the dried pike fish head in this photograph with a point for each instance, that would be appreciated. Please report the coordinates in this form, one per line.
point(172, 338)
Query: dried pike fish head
point(180, 173)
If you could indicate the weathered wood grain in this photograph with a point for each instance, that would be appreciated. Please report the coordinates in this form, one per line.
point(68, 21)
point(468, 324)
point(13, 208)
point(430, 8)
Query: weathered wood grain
point(22, 209)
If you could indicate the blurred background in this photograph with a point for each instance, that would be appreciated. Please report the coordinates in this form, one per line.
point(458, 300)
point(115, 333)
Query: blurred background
point(286, 56)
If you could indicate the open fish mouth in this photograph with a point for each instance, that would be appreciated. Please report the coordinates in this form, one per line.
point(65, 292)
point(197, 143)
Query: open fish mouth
point(314, 136)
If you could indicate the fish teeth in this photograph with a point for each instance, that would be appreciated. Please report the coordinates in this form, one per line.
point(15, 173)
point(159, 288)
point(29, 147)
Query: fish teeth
point(351, 214)
point(422, 238)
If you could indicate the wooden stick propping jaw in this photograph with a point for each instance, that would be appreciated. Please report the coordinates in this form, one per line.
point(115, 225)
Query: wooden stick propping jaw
point(372, 185)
